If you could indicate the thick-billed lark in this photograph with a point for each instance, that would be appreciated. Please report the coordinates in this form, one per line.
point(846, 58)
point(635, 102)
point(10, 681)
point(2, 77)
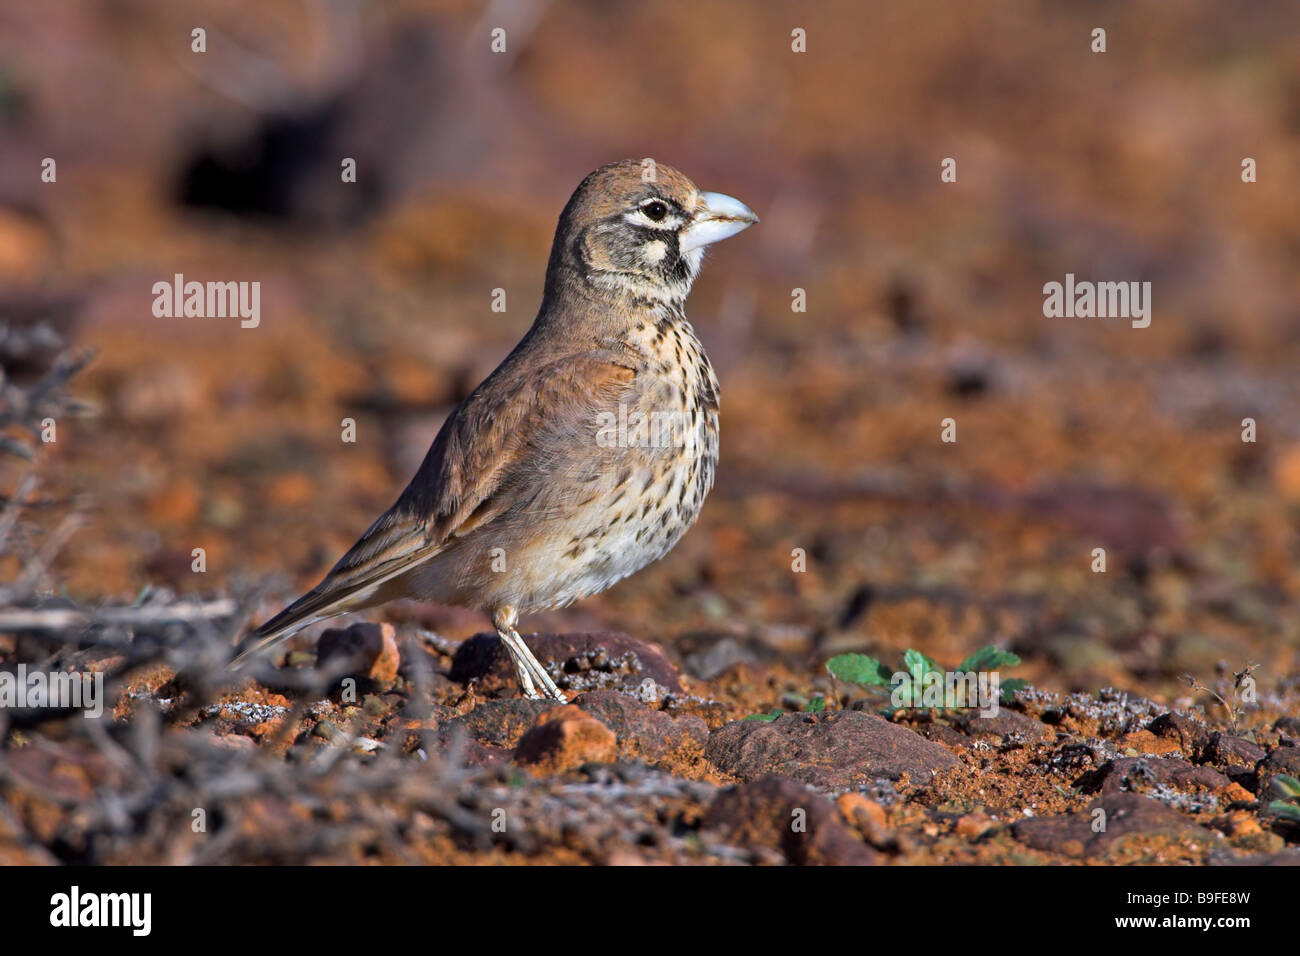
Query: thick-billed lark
point(587, 453)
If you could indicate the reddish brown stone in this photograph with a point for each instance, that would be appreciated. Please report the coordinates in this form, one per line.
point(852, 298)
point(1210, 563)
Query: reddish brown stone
point(1086, 834)
point(838, 750)
point(566, 738)
point(865, 816)
point(1142, 773)
point(365, 651)
point(500, 723)
point(786, 816)
point(1228, 752)
point(643, 733)
point(1006, 723)
point(973, 825)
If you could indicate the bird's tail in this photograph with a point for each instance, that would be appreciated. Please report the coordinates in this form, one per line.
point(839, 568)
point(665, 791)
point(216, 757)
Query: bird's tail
point(364, 577)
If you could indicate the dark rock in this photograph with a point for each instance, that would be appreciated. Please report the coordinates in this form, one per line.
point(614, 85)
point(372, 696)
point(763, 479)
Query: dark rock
point(1190, 734)
point(1126, 815)
point(969, 377)
point(839, 750)
point(767, 813)
point(643, 733)
point(1245, 776)
point(1141, 773)
point(1225, 750)
point(1007, 723)
point(500, 723)
point(393, 109)
point(1073, 757)
point(942, 733)
point(367, 652)
point(455, 743)
point(586, 662)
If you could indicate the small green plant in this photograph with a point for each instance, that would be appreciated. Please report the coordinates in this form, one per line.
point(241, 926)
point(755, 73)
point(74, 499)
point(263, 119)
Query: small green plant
point(813, 705)
point(1288, 806)
point(919, 674)
point(917, 687)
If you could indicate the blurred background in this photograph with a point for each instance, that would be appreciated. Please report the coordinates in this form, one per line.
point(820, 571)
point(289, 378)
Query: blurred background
point(924, 302)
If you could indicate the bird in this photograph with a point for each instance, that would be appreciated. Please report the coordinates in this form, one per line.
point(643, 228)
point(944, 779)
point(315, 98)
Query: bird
point(585, 455)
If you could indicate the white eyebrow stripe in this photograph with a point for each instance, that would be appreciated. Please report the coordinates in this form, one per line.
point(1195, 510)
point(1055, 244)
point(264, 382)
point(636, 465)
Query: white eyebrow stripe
point(639, 218)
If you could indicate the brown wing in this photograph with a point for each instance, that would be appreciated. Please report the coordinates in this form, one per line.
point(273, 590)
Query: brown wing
point(463, 482)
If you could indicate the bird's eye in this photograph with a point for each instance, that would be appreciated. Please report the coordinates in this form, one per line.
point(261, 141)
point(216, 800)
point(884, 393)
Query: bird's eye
point(655, 210)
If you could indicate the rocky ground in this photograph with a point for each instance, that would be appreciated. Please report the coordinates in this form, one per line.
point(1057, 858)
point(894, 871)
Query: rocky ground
point(423, 753)
point(200, 477)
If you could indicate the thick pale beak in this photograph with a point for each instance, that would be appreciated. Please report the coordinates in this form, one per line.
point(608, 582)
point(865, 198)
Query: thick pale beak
point(716, 217)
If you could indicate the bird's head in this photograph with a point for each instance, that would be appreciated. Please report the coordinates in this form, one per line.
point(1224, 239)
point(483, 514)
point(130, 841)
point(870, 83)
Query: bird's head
point(639, 230)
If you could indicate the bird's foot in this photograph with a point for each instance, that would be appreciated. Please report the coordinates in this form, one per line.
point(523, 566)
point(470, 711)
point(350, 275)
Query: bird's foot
point(529, 671)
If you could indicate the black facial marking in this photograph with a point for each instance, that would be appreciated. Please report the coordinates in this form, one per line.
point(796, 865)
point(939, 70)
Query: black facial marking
point(679, 271)
point(620, 243)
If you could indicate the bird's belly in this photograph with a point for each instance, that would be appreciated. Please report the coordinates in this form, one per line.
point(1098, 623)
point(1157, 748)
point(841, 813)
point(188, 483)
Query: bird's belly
point(632, 525)
point(564, 548)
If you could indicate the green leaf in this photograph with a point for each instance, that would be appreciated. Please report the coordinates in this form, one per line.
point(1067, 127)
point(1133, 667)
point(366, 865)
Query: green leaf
point(1009, 688)
point(989, 658)
point(1288, 811)
point(918, 665)
point(1288, 785)
point(860, 669)
point(770, 716)
point(816, 705)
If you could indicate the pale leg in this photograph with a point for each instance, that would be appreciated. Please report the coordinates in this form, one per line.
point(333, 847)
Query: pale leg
point(528, 670)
